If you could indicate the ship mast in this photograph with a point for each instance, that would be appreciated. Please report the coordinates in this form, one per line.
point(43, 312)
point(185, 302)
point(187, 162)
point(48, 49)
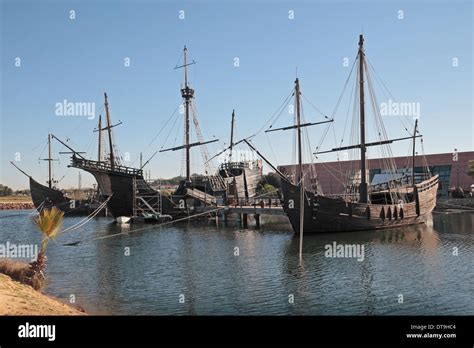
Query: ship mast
point(363, 145)
point(109, 131)
point(413, 155)
point(363, 180)
point(231, 147)
point(50, 164)
point(298, 129)
point(299, 175)
point(50, 181)
point(187, 93)
point(99, 150)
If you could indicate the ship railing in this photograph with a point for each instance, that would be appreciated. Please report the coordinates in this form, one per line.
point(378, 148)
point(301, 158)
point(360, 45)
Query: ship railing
point(237, 164)
point(426, 185)
point(104, 166)
point(262, 202)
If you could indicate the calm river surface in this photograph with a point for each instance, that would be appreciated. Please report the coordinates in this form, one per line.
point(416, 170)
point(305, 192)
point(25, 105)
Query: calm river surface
point(199, 261)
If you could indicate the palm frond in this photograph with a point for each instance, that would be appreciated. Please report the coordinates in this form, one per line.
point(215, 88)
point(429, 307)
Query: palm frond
point(49, 222)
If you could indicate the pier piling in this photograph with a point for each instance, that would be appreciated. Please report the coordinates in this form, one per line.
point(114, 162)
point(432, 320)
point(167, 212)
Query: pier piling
point(245, 220)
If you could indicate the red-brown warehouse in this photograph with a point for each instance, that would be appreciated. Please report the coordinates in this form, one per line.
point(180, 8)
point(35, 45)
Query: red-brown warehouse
point(445, 165)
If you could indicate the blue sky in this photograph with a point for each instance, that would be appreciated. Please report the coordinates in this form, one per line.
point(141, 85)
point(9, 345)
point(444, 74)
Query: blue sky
point(79, 59)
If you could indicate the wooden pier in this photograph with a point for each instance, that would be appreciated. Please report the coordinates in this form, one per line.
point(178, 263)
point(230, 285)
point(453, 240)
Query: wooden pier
point(242, 209)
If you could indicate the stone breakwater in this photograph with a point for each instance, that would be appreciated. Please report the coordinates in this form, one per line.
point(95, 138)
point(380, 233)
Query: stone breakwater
point(16, 205)
point(448, 204)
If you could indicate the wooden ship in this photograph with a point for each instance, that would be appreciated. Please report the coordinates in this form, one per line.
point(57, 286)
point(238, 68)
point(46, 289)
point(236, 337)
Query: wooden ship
point(207, 188)
point(395, 203)
point(130, 195)
point(241, 176)
point(49, 196)
point(122, 185)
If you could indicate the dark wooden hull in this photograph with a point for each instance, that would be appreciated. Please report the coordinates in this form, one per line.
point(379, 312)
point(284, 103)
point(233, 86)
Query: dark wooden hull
point(45, 197)
point(124, 184)
point(119, 186)
point(324, 214)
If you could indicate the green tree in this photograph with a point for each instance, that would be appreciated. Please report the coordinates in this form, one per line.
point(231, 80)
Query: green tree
point(269, 183)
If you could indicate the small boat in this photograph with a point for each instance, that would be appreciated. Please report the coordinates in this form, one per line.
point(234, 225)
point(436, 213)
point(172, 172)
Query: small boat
point(122, 220)
point(156, 217)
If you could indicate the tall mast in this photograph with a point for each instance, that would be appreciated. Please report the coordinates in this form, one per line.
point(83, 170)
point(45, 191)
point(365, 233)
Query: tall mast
point(99, 150)
point(298, 129)
point(50, 179)
point(413, 155)
point(109, 130)
point(50, 161)
point(299, 176)
point(231, 147)
point(187, 93)
point(363, 180)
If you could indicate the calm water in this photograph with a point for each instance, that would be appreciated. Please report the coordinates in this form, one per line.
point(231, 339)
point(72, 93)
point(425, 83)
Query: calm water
point(199, 262)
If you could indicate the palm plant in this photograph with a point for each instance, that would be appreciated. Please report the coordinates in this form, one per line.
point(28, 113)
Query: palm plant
point(49, 222)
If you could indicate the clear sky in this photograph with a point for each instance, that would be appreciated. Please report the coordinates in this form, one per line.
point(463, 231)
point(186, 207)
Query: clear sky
point(78, 59)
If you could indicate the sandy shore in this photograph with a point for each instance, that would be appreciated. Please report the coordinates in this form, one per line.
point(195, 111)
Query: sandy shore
point(19, 299)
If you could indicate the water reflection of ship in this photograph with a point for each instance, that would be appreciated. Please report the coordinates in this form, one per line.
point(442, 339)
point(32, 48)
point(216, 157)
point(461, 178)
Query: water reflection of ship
point(419, 240)
point(421, 237)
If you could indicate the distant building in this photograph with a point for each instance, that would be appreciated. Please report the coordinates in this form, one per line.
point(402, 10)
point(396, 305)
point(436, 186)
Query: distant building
point(449, 168)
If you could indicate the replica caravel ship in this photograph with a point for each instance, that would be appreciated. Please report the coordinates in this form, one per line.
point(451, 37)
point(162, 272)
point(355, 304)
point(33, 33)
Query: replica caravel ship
point(131, 196)
point(118, 183)
point(49, 196)
point(241, 176)
point(396, 202)
point(200, 189)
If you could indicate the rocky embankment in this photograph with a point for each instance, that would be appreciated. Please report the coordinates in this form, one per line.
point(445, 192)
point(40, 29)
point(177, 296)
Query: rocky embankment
point(448, 204)
point(16, 205)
